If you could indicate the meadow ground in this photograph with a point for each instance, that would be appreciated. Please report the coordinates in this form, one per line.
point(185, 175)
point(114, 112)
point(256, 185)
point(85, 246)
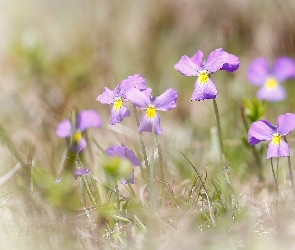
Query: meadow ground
point(56, 57)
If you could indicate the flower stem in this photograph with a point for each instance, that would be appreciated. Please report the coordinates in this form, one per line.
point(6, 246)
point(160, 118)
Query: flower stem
point(142, 142)
point(88, 191)
point(162, 178)
point(117, 195)
point(152, 190)
point(219, 130)
point(254, 149)
point(224, 165)
point(290, 172)
point(274, 177)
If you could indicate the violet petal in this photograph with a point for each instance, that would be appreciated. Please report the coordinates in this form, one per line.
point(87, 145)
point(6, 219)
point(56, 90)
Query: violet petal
point(187, 67)
point(284, 68)
point(87, 119)
point(166, 101)
point(203, 91)
point(286, 123)
point(261, 130)
point(258, 71)
point(64, 129)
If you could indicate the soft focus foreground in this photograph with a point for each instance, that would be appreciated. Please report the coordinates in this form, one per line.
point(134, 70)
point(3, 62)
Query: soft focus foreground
point(56, 58)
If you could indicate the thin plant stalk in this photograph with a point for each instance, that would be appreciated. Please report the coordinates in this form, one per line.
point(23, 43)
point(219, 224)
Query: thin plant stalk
point(224, 165)
point(88, 191)
point(219, 130)
point(278, 160)
point(162, 178)
point(290, 172)
point(152, 190)
point(142, 142)
point(254, 149)
point(274, 177)
point(205, 190)
point(117, 195)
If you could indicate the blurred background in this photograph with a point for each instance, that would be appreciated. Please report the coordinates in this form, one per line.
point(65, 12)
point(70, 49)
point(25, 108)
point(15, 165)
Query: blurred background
point(56, 56)
point(59, 55)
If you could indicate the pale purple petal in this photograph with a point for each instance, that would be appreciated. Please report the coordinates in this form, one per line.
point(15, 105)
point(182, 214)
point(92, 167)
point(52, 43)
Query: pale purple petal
point(118, 115)
point(147, 92)
point(81, 145)
point(135, 81)
point(138, 98)
point(132, 157)
point(232, 63)
point(197, 58)
point(130, 179)
point(87, 119)
point(277, 150)
point(166, 101)
point(286, 123)
point(204, 91)
point(106, 97)
point(146, 124)
point(283, 68)
point(64, 129)
point(116, 151)
point(261, 130)
point(252, 140)
point(187, 67)
point(216, 59)
point(81, 171)
point(274, 94)
point(258, 71)
point(124, 152)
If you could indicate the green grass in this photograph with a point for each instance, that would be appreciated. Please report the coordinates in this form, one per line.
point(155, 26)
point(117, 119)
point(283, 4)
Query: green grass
point(57, 57)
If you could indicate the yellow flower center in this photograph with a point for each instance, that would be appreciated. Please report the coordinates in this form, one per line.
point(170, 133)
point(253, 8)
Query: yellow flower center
point(203, 76)
point(118, 103)
point(276, 138)
point(271, 83)
point(130, 169)
point(150, 112)
point(76, 137)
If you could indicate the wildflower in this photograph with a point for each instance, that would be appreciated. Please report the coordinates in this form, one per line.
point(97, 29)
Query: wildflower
point(122, 151)
point(150, 118)
point(262, 130)
point(81, 171)
point(117, 97)
point(259, 74)
point(85, 119)
point(217, 60)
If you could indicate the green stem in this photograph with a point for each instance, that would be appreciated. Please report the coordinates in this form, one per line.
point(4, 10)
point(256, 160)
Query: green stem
point(274, 177)
point(219, 130)
point(142, 142)
point(117, 195)
point(88, 191)
point(224, 165)
point(152, 190)
point(162, 178)
point(290, 172)
point(254, 149)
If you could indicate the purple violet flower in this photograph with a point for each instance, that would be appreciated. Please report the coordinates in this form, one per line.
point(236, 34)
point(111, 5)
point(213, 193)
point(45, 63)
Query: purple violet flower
point(217, 60)
point(150, 118)
point(259, 74)
point(85, 119)
point(81, 171)
point(262, 130)
point(118, 96)
point(124, 152)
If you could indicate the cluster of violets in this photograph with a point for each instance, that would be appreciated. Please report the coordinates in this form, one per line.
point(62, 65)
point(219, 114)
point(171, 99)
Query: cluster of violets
point(269, 79)
point(133, 89)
